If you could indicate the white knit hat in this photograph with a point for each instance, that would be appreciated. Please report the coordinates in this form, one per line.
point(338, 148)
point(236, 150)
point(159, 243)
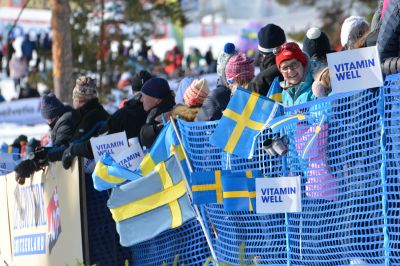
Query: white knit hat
point(350, 27)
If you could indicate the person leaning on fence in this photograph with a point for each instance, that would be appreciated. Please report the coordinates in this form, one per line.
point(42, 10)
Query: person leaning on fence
point(239, 72)
point(157, 99)
point(93, 118)
point(63, 121)
point(193, 99)
point(297, 70)
point(269, 37)
point(218, 99)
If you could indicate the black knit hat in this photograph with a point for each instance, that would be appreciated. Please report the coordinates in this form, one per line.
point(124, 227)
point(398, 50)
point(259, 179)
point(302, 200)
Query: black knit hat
point(139, 79)
point(156, 87)
point(51, 107)
point(316, 43)
point(269, 37)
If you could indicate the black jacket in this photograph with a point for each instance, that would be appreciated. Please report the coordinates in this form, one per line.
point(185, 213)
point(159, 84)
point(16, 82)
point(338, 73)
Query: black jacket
point(389, 39)
point(215, 103)
point(149, 131)
point(63, 129)
point(62, 132)
point(93, 118)
point(264, 79)
point(129, 119)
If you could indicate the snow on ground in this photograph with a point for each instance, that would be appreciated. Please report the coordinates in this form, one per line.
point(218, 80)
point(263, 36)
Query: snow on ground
point(9, 132)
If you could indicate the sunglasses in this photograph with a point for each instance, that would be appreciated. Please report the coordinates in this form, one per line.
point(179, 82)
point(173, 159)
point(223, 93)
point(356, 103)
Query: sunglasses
point(285, 46)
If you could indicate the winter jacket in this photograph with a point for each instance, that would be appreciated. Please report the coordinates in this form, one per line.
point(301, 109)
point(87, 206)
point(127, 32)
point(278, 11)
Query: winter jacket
point(149, 131)
point(262, 82)
point(93, 119)
point(215, 103)
point(185, 112)
point(389, 39)
point(129, 119)
point(293, 95)
point(62, 129)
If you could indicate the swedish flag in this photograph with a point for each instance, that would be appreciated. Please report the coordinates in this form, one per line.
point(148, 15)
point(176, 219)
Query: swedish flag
point(239, 191)
point(163, 147)
point(243, 119)
point(146, 207)
point(104, 179)
point(275, 91)
point(207, 187)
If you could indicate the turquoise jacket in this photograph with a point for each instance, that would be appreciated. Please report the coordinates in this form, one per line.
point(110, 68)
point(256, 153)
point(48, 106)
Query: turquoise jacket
point(302, 93)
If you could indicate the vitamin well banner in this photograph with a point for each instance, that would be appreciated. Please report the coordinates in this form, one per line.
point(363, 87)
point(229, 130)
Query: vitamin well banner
point(355, 69)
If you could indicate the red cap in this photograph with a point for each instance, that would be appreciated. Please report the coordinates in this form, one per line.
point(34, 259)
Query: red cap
point(289, 51)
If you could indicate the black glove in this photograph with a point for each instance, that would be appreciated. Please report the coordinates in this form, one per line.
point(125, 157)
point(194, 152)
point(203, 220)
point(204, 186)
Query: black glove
point(68, 157)
point(26, 168)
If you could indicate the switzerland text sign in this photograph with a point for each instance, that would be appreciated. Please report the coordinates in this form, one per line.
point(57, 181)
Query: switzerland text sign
point(278, 195)
point(355, 69)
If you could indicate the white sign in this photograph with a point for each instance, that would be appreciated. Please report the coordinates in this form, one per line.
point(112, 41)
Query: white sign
point(131, 157)
point(278, 195)
point(111, 144)
point(26, 111)
point(355, 69)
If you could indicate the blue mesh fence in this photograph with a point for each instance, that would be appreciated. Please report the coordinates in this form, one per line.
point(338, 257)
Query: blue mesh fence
point(104, 247)
point(349, 175)
point(187, 242)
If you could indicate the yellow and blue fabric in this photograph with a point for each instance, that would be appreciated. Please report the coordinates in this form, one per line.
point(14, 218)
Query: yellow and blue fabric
point(284, 121)
point(310, 142)
point(239, 191)
point(165, 144)
point(275, 91)
point(243, 119)
point(146, 207)
point(103, 179)
point(207, 186)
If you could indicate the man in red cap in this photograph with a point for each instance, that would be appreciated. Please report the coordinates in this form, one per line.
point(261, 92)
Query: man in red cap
point(297, 74)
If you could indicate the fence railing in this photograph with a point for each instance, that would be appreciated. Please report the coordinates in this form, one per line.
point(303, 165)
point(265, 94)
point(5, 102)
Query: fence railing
point(350, 181)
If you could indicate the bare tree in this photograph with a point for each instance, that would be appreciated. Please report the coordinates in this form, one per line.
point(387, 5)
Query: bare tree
point(62, 49)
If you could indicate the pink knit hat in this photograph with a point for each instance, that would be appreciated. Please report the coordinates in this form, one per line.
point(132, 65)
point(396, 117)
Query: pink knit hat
point(196, 93)
point(239, 67)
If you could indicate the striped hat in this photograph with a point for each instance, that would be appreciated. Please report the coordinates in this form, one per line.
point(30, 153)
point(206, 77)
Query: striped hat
point(196, 93)
point(239, 68)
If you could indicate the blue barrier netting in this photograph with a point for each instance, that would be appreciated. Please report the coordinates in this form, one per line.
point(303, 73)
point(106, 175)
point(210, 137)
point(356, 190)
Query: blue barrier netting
point(347, 154)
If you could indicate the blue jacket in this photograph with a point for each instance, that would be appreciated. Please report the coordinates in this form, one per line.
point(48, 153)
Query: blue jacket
point(303, 93)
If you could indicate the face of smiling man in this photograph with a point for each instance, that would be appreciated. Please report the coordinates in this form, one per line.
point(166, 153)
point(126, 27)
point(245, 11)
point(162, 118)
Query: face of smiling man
point(292, 71)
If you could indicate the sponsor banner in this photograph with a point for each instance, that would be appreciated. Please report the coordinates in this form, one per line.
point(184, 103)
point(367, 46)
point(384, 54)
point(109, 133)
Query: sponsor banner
point(356, 69)
point(43, 217)
point(131, 157)
point(278, 195)
point(24, 112)
point(111, 144)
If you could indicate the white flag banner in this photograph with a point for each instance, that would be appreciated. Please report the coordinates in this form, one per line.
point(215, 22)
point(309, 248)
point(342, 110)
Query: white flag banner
point(278, 195)
point(112, 144)
point(131, 157)
point(355, 69)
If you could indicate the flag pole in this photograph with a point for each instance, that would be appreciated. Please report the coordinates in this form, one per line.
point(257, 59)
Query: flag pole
point(195, 207)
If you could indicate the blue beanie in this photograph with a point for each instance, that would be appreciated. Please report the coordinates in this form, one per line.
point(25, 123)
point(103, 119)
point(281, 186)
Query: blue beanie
point(229, 48)
point(156, 87)
point(51, 107)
